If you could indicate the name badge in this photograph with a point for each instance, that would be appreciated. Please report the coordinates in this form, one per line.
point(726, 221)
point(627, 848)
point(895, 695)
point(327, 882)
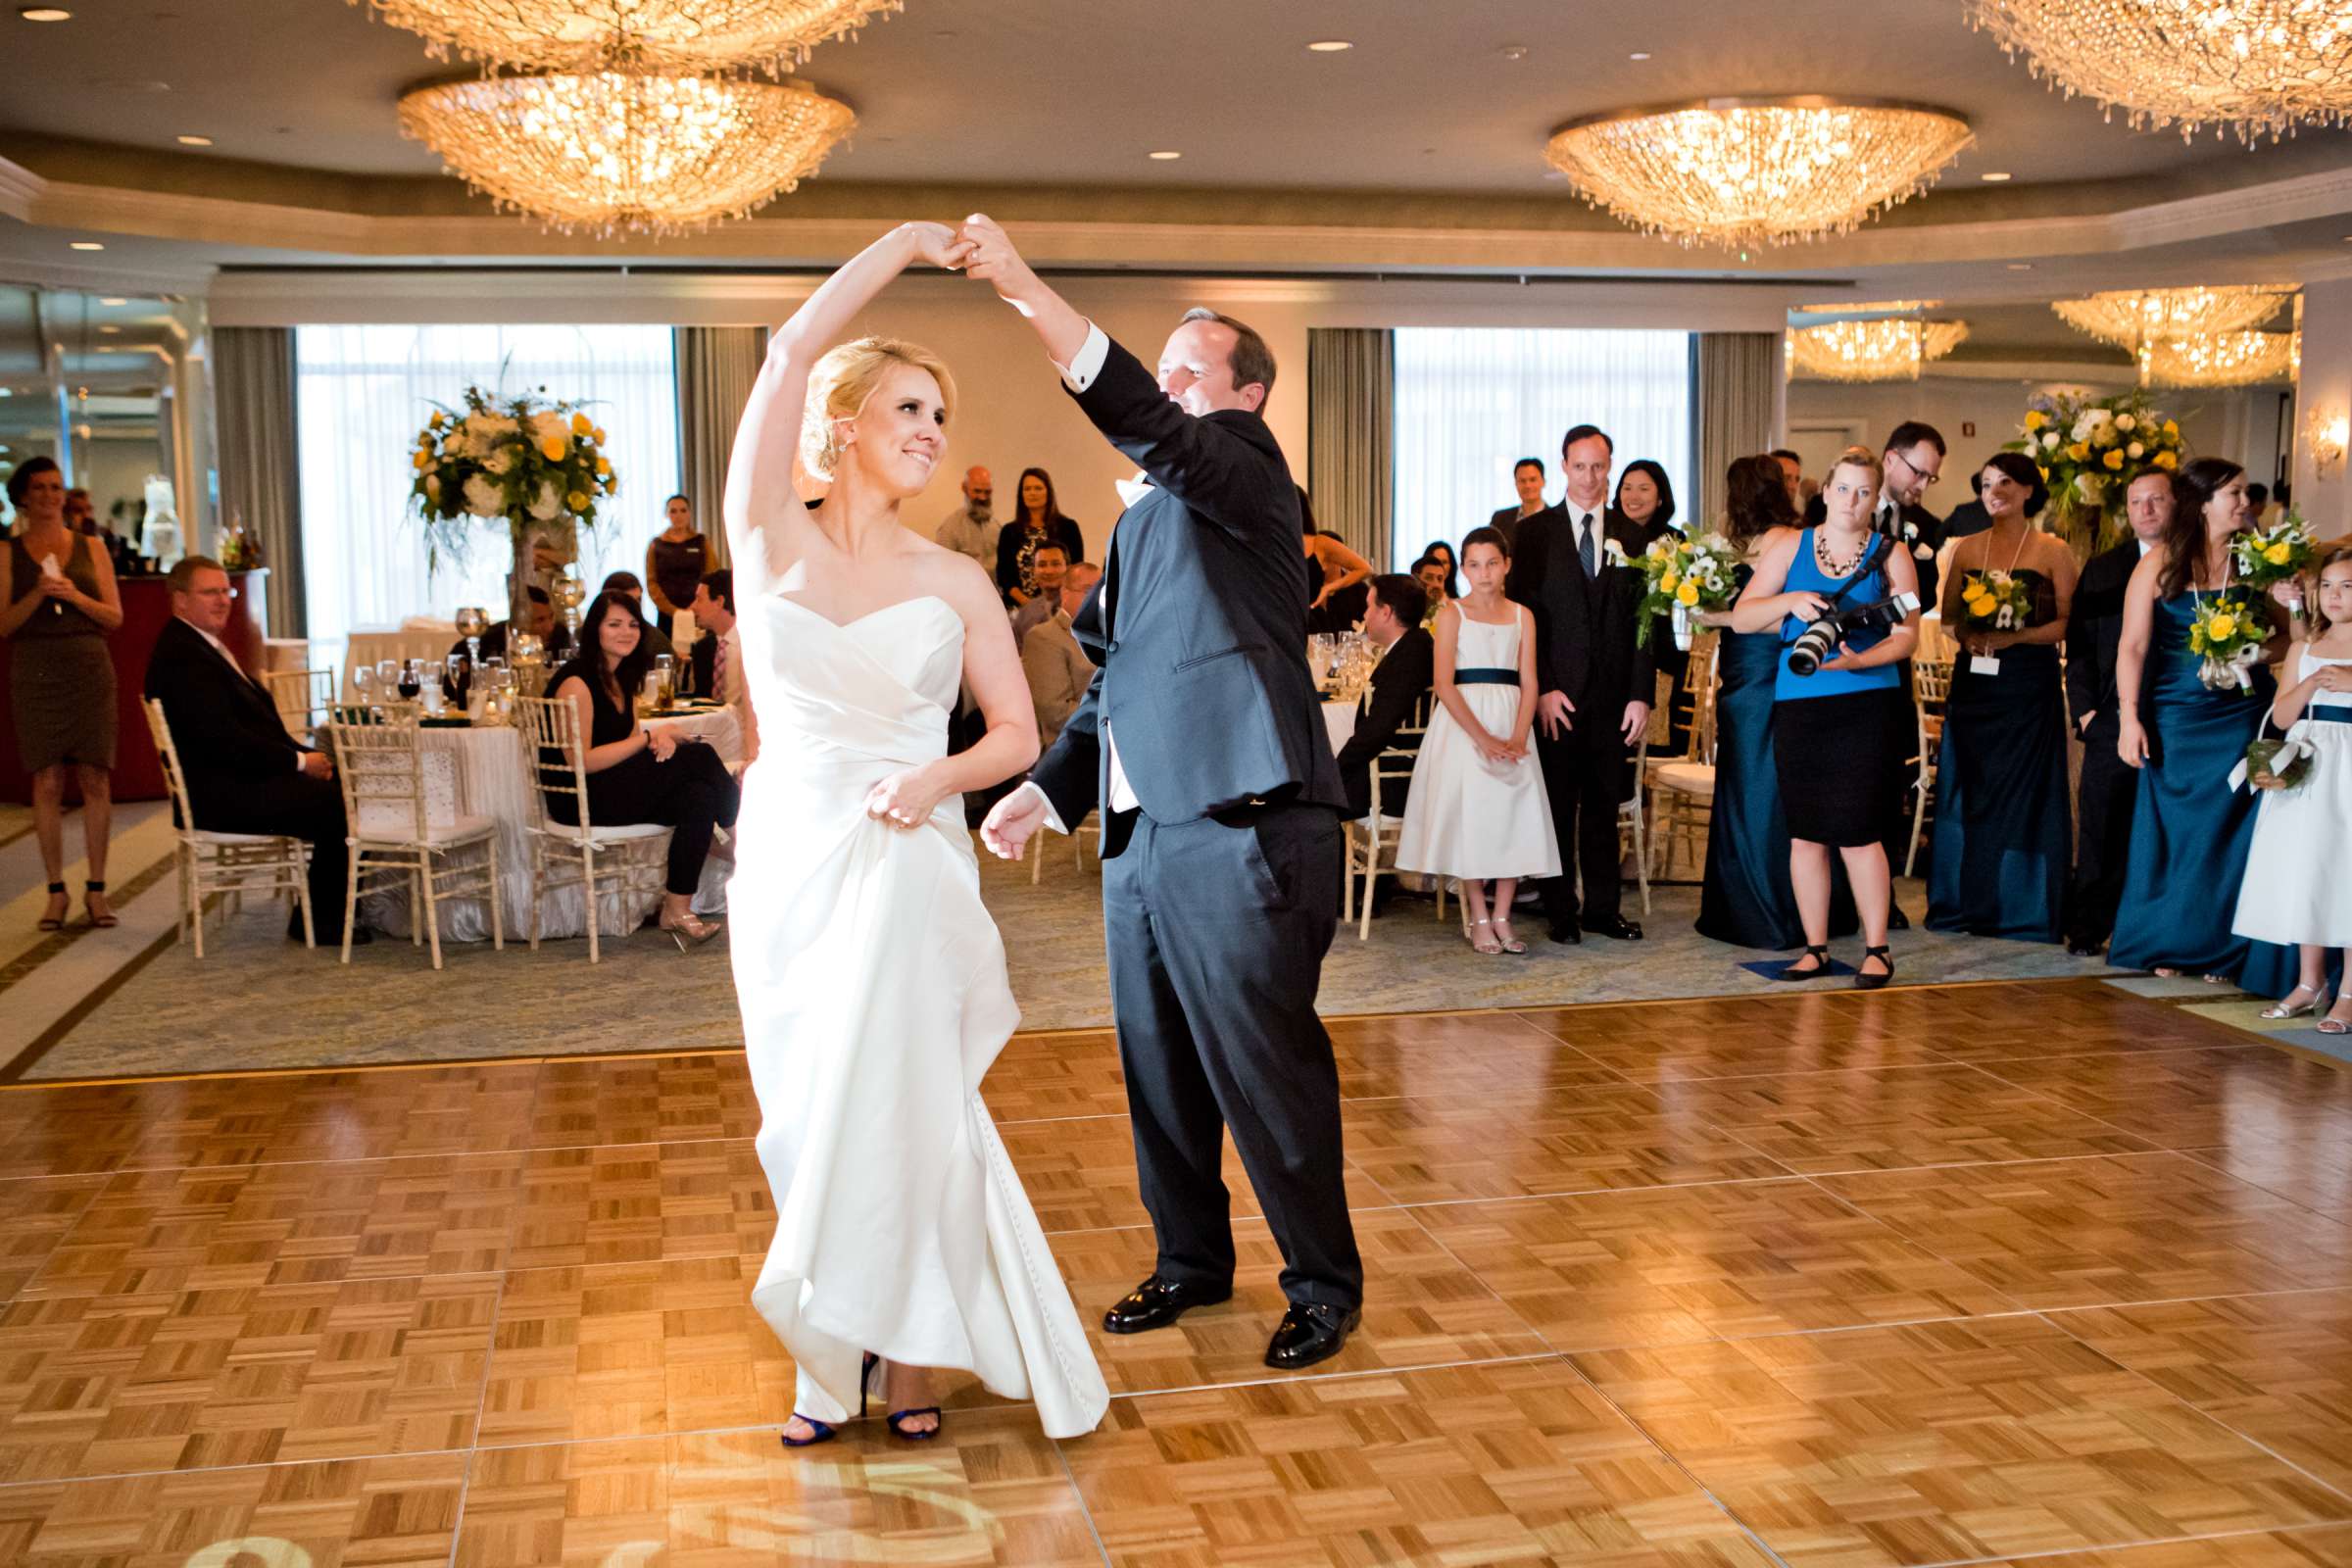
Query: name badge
point(1984, 664)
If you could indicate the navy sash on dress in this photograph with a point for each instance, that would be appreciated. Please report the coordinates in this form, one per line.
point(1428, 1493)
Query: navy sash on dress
point(1486, 677)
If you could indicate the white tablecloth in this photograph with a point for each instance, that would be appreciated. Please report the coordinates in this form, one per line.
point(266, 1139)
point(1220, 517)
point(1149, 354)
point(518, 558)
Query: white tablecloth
point(483, 772)
point(1339, 720)
point(430, 643)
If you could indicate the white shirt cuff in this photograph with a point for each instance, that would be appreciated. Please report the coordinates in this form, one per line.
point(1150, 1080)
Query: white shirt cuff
point(1052, 817)
point(1080, 373)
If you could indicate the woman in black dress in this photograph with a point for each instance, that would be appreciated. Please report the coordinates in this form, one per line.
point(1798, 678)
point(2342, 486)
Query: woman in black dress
point(1036, 517)
point(674, 562)
point(634, 774)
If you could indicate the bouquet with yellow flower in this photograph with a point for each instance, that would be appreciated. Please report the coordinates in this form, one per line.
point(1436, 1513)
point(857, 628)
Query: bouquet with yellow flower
point(2283, 549)
point(2090, 450)
point(1681, 576)
point(1995, 601)
point(2229, 632)
point(529, 459)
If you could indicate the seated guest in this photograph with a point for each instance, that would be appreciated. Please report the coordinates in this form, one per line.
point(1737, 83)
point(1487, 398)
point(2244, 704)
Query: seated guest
point(1057, 668)
point(1438, 551)
point(1400, 682)
point(542, 625)
point(635, 774)
point(715, 664)
point(1051, 563)
point(657, 641)
point(245, 774)
point(1527, 477)
point(1429, 572)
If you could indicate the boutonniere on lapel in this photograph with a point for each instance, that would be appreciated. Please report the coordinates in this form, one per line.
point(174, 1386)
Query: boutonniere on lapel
point(1614, 553)
point(1910, 536)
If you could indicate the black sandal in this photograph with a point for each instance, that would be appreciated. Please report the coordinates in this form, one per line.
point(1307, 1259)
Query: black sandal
point(57, 890)
point(104, 922)
point(1790, 971)
point(1871, 982)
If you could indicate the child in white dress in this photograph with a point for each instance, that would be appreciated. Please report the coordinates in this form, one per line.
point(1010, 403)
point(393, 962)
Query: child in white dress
point(1476, 810)
point(2299, 889)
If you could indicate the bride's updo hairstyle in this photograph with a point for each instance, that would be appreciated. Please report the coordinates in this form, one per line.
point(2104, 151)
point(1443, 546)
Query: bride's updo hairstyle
point(841, 382)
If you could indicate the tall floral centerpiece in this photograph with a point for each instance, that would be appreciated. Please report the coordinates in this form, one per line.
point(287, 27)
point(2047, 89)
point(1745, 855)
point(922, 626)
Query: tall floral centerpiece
point(535, 463)
point(2090, 450)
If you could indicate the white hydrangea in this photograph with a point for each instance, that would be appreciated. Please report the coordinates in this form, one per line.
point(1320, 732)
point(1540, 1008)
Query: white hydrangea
point(2135, 450)
point(500, 460)
point(2125, 421)
point(2049, 440)
point(484, 498)
point(550, 503)
point(549, 425)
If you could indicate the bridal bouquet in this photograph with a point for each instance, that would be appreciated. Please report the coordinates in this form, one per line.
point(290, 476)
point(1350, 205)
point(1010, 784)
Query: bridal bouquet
point(2228, 631)
point(527, 459)
point(1997, 600)
point(1681, 576)
point(2090, 450)
point(2283, 549)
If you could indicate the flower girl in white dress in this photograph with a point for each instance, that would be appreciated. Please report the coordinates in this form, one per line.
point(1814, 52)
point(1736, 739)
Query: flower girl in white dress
point(1476, 810)
point(2298, 886)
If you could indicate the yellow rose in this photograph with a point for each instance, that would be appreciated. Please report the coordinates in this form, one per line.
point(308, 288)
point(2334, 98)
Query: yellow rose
point(2113, 458)
point(577, 501)
point(2172, 431)
point(2278, 554)
point(2166, 461)
point(2080, 450)
point(1658, 549)
point(604, 465)
point(1687, 593)
point(438, 419)
point(598, 434)
point(424, 458)
point(2221, 628)
point(552, 449)
point(2044, 473)
point(1666, 581)
point(2036, 419)
point(611, 484)
point(581, 425)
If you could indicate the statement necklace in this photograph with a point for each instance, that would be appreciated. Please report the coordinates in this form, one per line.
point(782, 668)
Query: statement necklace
point(1830, 564)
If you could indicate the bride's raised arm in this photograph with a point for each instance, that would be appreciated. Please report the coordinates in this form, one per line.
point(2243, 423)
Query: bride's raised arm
point(760, 472)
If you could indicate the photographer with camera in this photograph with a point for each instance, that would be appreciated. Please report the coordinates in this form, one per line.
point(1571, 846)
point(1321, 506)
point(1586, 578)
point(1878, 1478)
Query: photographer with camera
point(1847, 608)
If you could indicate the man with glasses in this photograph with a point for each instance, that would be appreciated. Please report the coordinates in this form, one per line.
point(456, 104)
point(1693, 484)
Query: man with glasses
point(1914, 462)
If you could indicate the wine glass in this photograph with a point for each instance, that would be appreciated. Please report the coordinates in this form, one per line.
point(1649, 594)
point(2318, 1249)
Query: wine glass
point(473, 622)
point(410, 681)
point(387, 675)
point(363, 679)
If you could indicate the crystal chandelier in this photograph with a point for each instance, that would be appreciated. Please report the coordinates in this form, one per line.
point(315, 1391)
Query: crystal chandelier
point(1739, 171)
point(2257, 67)
point(1890, 349)
point(687, 37)
point(611, 151)
point(2221, 358)
point(2129, 317)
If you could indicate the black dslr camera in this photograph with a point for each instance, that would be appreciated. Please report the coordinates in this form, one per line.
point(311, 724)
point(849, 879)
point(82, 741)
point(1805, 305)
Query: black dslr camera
point(1820, 640)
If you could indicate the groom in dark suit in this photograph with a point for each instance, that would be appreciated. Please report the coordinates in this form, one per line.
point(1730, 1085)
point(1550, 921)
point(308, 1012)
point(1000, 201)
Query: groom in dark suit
point(1202, 742)
point(1572, 569)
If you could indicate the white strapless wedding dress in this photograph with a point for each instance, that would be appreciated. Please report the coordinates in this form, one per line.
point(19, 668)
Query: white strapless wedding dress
point(874, 999)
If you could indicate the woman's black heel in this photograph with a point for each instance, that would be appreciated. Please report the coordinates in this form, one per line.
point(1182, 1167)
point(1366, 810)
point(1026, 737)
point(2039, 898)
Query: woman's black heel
point(56, 922)
point(824, 1431)
point(1871, 982)
point(1821, 965)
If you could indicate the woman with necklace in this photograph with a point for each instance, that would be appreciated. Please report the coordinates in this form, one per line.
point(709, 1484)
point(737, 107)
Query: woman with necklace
point(2003, 832)
point(1837, 734)
point(2190, 829)
point(1036, 520)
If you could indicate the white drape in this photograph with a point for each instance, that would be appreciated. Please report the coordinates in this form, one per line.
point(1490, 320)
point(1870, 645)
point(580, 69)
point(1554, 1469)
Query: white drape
point(363, 393)
point(1470, 402)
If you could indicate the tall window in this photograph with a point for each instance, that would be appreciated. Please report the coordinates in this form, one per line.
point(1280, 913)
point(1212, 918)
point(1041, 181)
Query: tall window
point(1471, 402)
point(363, 393)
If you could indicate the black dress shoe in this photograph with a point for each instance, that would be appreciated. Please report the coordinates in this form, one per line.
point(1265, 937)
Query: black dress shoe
point(1617, 927)
point(1566, 933)
point(1157, 1302)
point(2082, 946)
point(1310, 1334)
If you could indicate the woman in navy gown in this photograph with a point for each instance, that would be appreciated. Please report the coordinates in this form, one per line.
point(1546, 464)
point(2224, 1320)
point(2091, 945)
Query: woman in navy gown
point(1746, 899)
point(2190, 829)
point(2003, 832)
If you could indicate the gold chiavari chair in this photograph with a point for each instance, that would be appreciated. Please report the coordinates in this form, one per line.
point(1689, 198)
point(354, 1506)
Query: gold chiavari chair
point(233, 863)
point(381, 765)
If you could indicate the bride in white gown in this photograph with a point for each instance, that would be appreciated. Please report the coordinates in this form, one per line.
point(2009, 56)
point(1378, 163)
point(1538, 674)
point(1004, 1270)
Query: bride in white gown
point(871, 978)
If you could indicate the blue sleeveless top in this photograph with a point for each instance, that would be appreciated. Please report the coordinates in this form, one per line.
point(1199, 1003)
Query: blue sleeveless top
point(1806, 576)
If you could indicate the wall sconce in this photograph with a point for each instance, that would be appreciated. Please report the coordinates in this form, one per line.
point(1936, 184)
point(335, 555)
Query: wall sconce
point(2326, 433)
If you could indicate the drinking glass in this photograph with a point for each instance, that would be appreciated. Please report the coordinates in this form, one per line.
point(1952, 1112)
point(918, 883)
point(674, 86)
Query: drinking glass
point(473, 622)
point(387, 675)
point(665, 682)
point(458, 683)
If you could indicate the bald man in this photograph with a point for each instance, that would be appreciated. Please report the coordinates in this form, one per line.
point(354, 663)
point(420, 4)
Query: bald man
point(971, 529)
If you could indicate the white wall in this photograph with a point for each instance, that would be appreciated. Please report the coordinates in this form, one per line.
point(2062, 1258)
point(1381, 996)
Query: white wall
point(2326, 394)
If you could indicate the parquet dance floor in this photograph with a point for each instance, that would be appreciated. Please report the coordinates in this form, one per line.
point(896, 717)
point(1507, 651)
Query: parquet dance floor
point(2039, 1273)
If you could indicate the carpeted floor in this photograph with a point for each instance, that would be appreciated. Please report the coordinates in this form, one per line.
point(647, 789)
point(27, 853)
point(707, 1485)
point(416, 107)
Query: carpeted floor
point(258, 1002)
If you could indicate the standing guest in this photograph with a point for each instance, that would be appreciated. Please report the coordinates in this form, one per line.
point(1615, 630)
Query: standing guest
point(1747, 897)
point(1476, 813)
point(245, 774)
point(1438, 551)
point(2189, 831)
point(1792, 478)
point(657, 641)
point(1338, 575)
point(2001, 823)
point(1645, 499)
point(637, 774)
point(1573, 570)
point(2103, 800)
point(674, 562)
point(2257, 506)
point(1036, 517)
point(2298, 887)
point(715, 662)
point(1057, 668)
point(1050, 563)
point(971, 529)
point(1527, 477)
point(1430, 574)
point(1400, 681)
point(1837, 734)
point(62, 602)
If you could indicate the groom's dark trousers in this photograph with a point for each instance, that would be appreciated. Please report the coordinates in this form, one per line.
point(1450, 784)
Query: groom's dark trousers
point(1221, 885)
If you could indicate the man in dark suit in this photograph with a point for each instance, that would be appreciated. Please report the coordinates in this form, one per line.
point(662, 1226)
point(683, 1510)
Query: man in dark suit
point(1527, 477)
point(2109, 787)
point(542, 625)
point(1400, 685)
point(245, 774)
point(1202, 740)
point(1572, 569)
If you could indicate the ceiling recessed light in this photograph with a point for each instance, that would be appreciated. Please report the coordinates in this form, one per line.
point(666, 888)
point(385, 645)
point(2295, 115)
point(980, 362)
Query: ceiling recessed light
point(110, 329)
point(114, 299)
point(1513, 51)
point(45, 12)
point(1165, 158)
point(85, 245)
point(1995, 176)
point(1639, 54)
point(1330, 46)
point(195, 141)
point(2021, 267)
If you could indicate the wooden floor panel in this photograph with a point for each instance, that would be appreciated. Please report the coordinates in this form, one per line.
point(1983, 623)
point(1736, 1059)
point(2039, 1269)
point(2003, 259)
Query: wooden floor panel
point(2045, 1275)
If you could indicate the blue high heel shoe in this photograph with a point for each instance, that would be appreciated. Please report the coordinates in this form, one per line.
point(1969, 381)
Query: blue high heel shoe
point(824, 1430)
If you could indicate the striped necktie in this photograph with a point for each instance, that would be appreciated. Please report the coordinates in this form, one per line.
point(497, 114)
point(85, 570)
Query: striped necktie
point(1586, 548)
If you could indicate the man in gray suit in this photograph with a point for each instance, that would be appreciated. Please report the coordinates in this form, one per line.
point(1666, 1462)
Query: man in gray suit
point(1059, 670)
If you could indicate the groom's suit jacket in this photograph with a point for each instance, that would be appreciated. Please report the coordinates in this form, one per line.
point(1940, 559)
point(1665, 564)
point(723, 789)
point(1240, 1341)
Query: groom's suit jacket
point(1199, 625)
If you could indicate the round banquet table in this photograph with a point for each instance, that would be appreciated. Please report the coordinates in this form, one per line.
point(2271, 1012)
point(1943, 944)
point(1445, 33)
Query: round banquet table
point(426, 640)
point(482, 771)
point(1338, 722)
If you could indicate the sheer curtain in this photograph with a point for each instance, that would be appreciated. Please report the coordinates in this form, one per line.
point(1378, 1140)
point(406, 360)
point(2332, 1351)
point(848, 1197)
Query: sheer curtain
point(1472, 401)
point(362, 394)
